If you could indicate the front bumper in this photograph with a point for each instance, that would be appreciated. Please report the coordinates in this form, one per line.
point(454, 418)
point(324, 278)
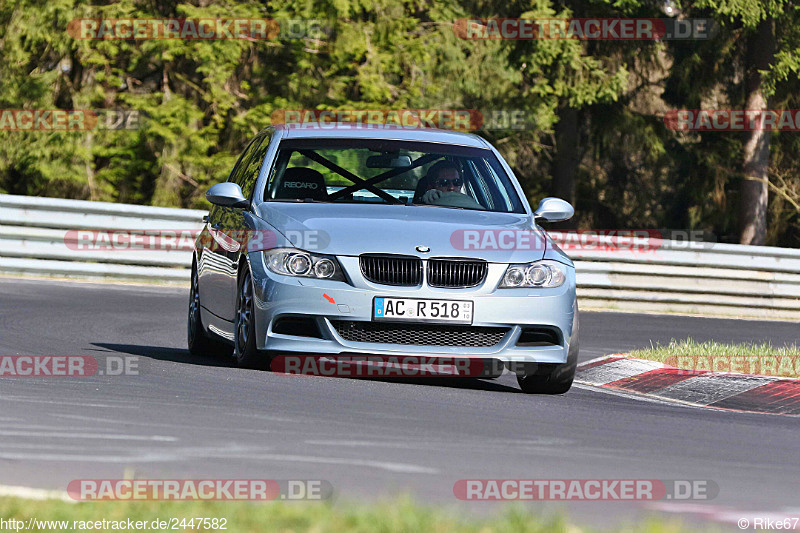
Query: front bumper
point(515, 309)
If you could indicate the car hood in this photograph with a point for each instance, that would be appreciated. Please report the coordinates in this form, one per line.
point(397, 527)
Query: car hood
point(352, 229)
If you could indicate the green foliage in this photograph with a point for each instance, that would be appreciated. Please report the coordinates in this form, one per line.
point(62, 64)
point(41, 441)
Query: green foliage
point(399, 514)
point(203, 100)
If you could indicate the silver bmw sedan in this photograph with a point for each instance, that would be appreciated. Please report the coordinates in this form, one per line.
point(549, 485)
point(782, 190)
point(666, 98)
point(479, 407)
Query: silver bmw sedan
point(356, 239)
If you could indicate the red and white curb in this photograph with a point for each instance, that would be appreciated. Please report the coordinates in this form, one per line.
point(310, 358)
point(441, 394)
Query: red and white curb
point(719, 390)
point(786, 519)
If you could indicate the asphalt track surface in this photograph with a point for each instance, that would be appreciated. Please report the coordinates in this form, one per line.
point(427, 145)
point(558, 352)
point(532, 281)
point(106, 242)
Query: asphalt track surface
point(183, 417)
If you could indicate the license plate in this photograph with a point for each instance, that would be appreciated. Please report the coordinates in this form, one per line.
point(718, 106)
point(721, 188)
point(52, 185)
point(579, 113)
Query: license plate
point(422, 310)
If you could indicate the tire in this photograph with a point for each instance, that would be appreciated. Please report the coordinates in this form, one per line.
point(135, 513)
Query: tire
point(200, 342)
point(553, 378)
point(244, 328)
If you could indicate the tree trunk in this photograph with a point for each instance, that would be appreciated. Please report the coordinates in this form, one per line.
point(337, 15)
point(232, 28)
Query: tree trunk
point(565, 162)
point(90, 168)
point(754, 190)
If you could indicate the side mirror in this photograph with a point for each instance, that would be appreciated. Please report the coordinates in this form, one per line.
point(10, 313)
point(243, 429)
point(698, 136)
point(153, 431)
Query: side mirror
point(227, 195)
point(554, 210)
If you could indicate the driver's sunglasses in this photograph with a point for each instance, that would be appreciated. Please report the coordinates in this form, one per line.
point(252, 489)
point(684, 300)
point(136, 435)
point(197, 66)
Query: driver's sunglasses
point(458, 182)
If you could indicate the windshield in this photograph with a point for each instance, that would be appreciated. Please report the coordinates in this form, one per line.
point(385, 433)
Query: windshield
point(391, 172)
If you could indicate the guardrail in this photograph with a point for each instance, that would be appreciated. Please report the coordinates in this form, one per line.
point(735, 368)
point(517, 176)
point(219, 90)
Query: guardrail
point(722, 279)
point(34, 234)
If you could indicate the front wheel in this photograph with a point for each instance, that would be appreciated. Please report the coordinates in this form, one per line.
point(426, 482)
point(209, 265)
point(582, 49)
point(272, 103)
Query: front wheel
point(553, 378)
point(200, 342)
point(247, 355)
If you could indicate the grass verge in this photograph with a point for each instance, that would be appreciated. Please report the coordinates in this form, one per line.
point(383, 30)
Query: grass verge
point(395, 516)
point(749, 358)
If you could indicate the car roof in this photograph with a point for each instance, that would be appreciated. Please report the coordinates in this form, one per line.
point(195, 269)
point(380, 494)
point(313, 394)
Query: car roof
point(375, 131)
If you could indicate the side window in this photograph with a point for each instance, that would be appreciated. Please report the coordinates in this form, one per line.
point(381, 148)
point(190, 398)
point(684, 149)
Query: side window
point(249, 174)
point(483, 193)
point(500, 188)
point(236, 173)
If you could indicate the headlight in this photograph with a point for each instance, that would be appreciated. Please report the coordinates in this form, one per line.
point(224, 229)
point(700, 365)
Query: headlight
point(536, 275)
point(293, 262)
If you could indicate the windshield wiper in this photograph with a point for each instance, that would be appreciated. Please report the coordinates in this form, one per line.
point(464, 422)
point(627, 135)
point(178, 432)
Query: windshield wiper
point(449, 207)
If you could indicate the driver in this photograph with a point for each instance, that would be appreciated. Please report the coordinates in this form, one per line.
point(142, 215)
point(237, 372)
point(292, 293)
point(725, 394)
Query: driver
point(442, 177)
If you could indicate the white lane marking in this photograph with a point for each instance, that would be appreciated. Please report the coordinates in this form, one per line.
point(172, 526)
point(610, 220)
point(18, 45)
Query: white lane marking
point(615, 370)
point(429, 444)
point(608, 356)
point(94, 419)
point(73, 458)
point(159, 455)
point(403, 468)
point(265, 417)
point(101, 436)
point(205, 428)
point(359, 443)
point(54, 446)
point(631, 395)
point(51, 428)
point(34, 494)
point(61, 402)
point(97, 284)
